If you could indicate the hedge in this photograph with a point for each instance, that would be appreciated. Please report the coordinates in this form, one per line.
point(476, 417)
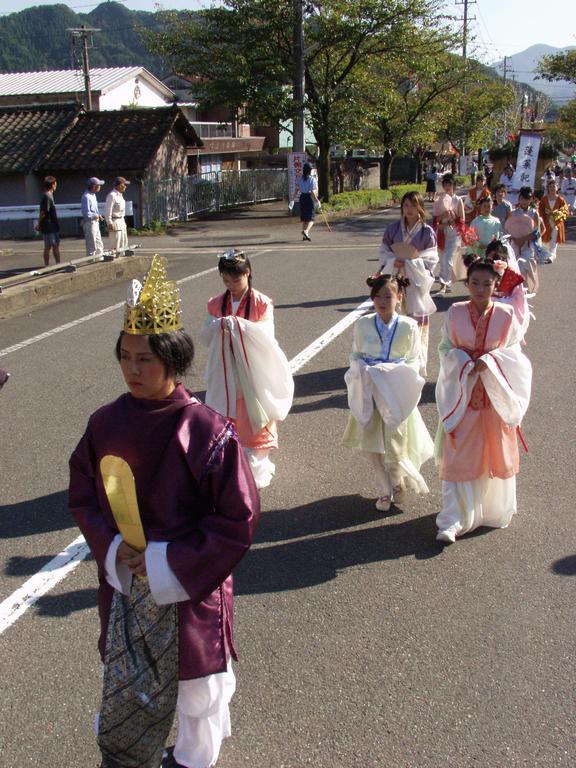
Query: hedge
point(370, 198)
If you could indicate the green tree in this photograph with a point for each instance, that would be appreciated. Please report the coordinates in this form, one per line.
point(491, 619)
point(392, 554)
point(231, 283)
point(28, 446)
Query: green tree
point(473, 113)
point(561, 66)
point(241, 53)
point(406, 98)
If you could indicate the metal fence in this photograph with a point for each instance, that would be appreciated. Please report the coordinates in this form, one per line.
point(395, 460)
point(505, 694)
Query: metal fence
point(180, 198)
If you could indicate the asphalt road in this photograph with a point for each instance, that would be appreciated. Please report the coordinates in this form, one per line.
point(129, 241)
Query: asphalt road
point(363, 642)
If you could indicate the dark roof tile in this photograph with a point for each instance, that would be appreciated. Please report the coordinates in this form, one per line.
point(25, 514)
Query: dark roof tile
point(109, 140)
point(26, 133)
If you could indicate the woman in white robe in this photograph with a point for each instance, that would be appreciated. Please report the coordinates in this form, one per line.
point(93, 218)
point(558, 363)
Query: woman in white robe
point(384, 388)
point(409, 249)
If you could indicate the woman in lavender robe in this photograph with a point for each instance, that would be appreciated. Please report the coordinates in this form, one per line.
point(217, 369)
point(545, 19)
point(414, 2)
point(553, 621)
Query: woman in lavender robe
point(198, 506)
point(409, 249)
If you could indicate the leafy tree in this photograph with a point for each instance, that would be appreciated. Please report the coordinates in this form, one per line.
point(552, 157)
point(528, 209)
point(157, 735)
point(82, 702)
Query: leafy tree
point(561, 66)
point(241, 53)
point(563, 132)
point(474, 112)
point(407, 95)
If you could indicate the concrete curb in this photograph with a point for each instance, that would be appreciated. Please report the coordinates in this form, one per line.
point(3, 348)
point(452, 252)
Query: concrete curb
point(21, 298)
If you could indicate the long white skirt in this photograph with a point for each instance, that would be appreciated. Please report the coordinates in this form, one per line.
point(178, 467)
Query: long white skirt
point(488, 501)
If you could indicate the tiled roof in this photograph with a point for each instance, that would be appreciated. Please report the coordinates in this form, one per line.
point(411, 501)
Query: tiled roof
point(123, 139)
point(102, 79)
point(27, 132)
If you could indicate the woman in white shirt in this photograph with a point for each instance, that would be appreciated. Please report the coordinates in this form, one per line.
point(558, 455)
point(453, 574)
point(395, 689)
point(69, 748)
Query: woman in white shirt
point(308, 188)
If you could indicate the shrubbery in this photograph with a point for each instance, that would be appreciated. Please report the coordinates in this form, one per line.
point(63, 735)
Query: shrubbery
point(370, 198)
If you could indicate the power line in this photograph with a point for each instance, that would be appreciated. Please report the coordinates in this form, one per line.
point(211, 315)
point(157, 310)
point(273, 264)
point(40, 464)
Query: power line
point(83, 34)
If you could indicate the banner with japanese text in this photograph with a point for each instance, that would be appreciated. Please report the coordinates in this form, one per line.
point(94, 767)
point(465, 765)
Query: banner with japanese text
point(295, 162)
point(528, 150)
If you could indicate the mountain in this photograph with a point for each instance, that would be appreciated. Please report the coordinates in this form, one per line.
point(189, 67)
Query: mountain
point(522, 66)
point(36, 39)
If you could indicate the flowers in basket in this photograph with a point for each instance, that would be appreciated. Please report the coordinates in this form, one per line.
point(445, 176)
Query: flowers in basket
point(560, 214)
point(468, 235)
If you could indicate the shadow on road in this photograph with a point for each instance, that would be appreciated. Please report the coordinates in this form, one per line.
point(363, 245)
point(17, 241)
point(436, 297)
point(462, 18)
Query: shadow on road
point(46, 513)
point(68, 603)
point(318, 382)
point(288, 565)
point(566, 566)
point(352, 300)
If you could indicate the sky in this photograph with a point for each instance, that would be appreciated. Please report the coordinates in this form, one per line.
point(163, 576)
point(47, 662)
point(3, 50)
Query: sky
point(499, 27)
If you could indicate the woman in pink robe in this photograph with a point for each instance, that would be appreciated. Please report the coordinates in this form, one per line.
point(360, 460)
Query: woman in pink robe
point(240, 333)
point(482, 394)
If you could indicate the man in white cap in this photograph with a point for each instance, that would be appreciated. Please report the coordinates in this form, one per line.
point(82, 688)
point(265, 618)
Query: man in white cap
point(114, 215)
point(91, 217)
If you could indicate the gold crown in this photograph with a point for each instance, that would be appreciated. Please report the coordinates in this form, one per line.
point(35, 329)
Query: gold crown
point(155, 306)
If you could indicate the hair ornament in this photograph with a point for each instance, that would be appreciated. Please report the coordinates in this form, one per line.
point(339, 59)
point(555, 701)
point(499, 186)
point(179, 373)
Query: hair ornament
point(381, 277)
point(373, 279)
point(232, 256)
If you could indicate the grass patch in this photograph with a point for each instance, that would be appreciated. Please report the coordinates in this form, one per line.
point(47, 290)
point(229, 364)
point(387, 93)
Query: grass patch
point(370, 198)
point(155, 227)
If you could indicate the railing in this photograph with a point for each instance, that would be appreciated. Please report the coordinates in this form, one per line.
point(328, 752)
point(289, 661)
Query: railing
point(64, 210)
point(212, 130)
point(180, 198)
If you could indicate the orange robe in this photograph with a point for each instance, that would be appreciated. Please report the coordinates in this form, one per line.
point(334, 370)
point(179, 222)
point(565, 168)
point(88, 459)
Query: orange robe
point(545, 211)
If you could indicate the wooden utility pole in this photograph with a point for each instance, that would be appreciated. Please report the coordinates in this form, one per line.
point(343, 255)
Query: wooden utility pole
point(298, 85)
point(465, 20)
point(83, 33)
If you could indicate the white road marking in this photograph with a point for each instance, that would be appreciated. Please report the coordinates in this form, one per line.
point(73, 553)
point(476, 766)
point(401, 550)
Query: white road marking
point(65, 562)
point(322, 341)
point(86, 318)
point(114, 307)
point(42, 582)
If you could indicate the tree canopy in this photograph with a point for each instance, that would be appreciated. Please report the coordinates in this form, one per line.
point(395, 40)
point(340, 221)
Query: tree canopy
point(561, 66)
point(378, 73)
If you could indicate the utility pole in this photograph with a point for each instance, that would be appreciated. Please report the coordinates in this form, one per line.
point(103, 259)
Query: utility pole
point(298, 85)
point(83, 33)
point(465, 20)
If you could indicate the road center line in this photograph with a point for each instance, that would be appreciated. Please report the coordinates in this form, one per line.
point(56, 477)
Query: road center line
point(64, 563)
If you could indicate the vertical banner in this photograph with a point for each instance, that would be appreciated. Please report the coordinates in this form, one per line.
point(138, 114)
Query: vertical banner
point(295, 162)
point(528, 150)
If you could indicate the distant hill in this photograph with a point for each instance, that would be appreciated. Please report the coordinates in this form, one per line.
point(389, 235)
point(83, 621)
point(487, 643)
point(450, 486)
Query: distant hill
point(36, 39)
point(522, 66)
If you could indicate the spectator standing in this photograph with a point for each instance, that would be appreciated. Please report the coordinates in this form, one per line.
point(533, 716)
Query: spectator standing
point(473, 170)
point(358, 175)
point(308, 188)
point(568, 187)
point(339, 178)
point(431, 180)
point(114, 215)
point(48, 224)
point(91, 217)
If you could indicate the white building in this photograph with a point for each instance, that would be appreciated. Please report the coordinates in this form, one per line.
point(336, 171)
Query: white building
point(111, 88)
